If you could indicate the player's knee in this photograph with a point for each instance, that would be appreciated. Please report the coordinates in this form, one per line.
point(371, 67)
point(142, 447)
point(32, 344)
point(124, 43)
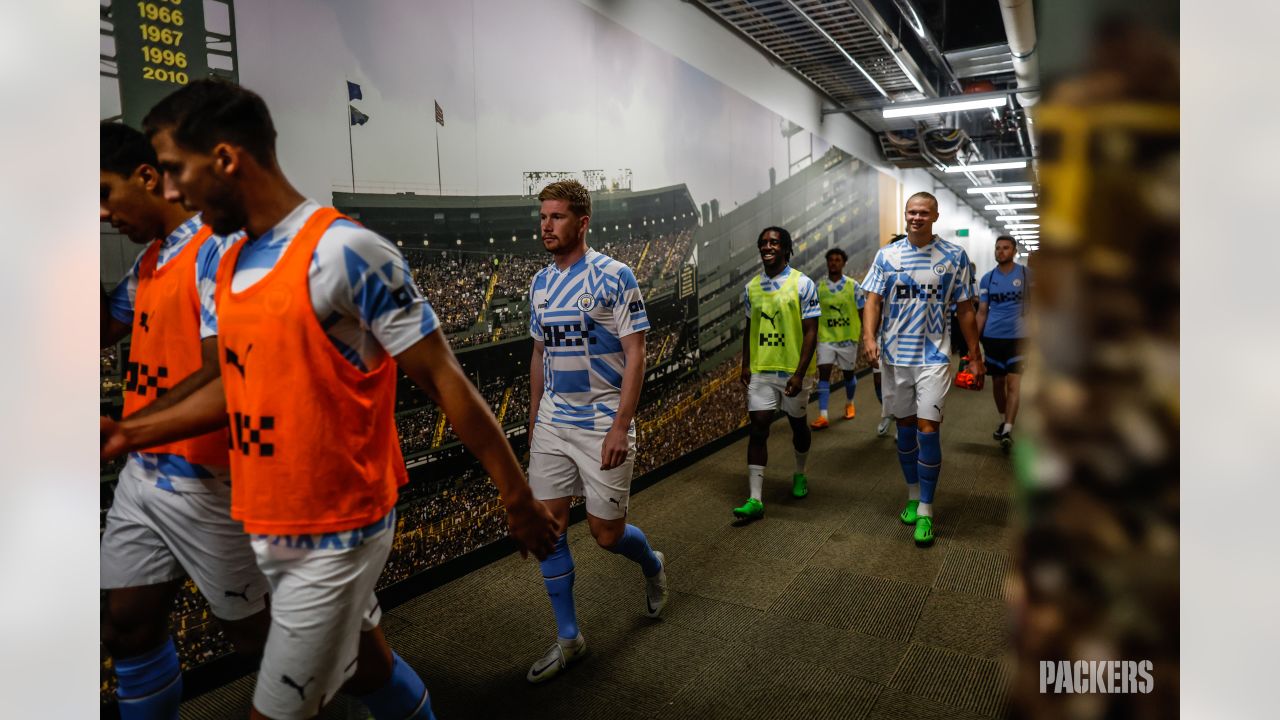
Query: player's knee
point(249, 635)
point(759, 432)
point(129, 631)
point(607, 536)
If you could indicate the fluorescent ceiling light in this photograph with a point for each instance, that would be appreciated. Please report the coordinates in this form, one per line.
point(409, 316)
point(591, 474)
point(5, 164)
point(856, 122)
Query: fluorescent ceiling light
point(996, 188)
point(1022, 195)
point(1017, 218)
point(1010, 206)
point(943, 107)
point(1021, 226)
point(998, 165)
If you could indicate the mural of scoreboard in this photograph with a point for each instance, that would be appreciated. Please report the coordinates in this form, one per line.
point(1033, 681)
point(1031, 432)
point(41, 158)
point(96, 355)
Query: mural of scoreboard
point(160, 46)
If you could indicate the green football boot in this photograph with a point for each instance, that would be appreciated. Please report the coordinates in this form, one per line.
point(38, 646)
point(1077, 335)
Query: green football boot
point(799, 485)
point(908, 516)
point(924, 531)
point(752, 509)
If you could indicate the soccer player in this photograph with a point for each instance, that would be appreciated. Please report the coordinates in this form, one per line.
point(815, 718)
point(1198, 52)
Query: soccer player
point(1002, 305)
point(588, 323)
point(838, 331)
point(781, 305)
point(315, 314)
point(914, 280)
point(171, 515)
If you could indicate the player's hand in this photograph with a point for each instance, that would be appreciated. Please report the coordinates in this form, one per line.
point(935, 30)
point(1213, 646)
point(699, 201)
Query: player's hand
point(113, 440)
point(871, 349)
point(532, 526)
point(613, 451)
point(977, 365)
point(745, 377)
point(794, 384)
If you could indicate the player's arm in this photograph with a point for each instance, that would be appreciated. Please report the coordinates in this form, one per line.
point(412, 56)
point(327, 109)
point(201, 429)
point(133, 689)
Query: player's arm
point(871, 328)
point(796, 381)
point(208, 371)
point(967, 317)
point(745, 375)
point(204, 410)
point(431, 364)
point(111, 330)
point(983, 309)
point(613, 452)
point(535, 385)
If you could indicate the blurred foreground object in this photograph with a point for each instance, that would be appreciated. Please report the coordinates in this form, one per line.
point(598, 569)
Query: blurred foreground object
point(1098, 564)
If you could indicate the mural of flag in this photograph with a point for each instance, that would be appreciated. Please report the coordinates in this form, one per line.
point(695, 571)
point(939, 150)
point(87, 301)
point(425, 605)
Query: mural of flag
point(439, 113)
point(353, 91)
point(357, 117)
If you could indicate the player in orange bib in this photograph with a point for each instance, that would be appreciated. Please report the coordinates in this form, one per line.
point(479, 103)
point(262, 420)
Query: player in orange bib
point(315, 313)
point(170, 516)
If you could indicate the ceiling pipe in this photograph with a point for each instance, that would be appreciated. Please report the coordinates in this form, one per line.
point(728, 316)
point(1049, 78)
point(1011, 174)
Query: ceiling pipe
point(1020, 27)
point(931, 48)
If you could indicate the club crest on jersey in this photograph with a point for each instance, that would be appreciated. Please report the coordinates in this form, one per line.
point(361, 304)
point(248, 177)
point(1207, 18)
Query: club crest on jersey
point(939, 269)
point(586, 301)
point(1017, 282)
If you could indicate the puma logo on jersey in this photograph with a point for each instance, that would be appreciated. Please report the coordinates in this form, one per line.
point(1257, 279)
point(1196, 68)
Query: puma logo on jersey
point(615, 502)
point(766, 316)
point(837, 308)
point(142, 322)
point(234, 360)
point(302, 689)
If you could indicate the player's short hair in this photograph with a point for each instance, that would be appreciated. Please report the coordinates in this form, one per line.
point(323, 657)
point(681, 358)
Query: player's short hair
point(783, 235)
point(837, 251)
point(1009, 238)
point(571, 191)
point(214, 110)
point(123, 149)
point(926, 196)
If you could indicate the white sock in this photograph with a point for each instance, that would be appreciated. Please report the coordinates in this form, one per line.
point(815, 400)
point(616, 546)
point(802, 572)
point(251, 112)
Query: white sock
point(925, 509)
point(1008, 428)
point(800, 458)
point(913, 491)
point(755, 476)
point(823, 414)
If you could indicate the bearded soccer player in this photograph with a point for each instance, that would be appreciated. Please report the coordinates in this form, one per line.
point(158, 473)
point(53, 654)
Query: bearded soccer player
point(839, 329)
point(781, 305)
point(1002, 306)
point(315, 313)
point(913, 281)
point(171, 515)
point(588, 323)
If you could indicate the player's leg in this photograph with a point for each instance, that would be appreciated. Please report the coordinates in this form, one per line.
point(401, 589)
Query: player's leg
point(801, 439)
point(996, 359)
point(824, 386)
point(1013, 387)
point(763, 398)
point(847, 360)
point(554, 479)
point(931, 389)
point(383, 681)
point(608, 494)
point(141, 577)
point(899, 403)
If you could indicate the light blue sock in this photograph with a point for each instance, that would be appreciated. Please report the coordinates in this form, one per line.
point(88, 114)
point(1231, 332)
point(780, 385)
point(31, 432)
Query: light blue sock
point(824, 394)
point(908, 453)
point(634, 546)
point(404, 697)
point(850, 384)
point(557, 575)
point(149, 687)
point(930, 464)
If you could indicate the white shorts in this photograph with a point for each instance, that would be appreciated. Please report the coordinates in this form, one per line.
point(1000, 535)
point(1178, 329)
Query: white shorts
point(321, 600)
point(767, 392)
point(833, 353)
point(154, 536)
point(918, 391)
point(565, 461)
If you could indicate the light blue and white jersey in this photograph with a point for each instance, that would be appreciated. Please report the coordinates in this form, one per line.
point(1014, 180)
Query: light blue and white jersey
point(917, 286)
point(809, 305)
point(1005, 295)
point(171, 471)
point(859, 296)
point(580, 316)
point(361, 289)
